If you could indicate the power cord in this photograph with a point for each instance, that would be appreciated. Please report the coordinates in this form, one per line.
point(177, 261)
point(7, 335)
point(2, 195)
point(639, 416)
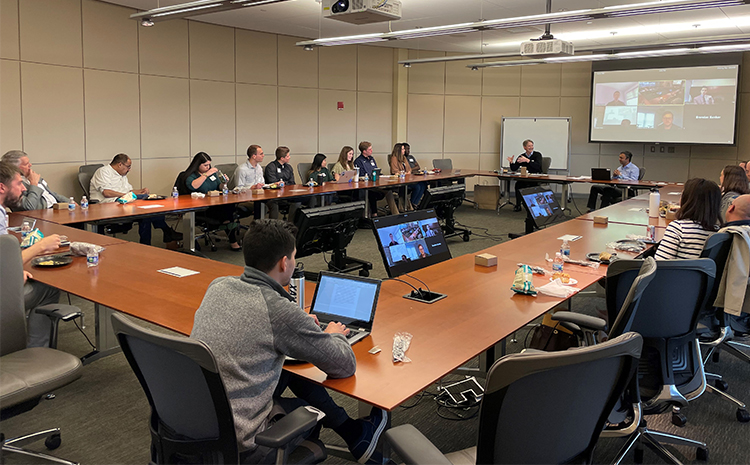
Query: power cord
point(84, 335)
point(424, 283)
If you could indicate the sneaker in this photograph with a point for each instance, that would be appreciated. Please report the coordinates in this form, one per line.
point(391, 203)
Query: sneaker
point(372, 427)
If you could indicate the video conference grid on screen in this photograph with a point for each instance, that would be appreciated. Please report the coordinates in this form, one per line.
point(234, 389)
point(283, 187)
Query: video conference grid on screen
point(678, 105)
point(410, 241)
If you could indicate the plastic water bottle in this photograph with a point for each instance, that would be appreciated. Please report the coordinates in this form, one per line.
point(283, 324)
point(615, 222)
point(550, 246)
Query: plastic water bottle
point(25, 229)
point(84, 203)
point(557, 265)
point(356, 179)
point(565, 249)
point(225, 191)
point(71, 204)
point(175, 193)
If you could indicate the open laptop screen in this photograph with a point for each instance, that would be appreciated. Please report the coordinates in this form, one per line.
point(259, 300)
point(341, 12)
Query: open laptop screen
point(350, 300)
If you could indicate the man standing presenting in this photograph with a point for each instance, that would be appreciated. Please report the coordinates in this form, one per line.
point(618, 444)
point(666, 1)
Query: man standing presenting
point(704, 98)
point(532, 160)
point(281, 171)
point(627, 172)
point(366, 164)
point(251, 324)
point(36, 294)
point(38, 195)
point(111, 182)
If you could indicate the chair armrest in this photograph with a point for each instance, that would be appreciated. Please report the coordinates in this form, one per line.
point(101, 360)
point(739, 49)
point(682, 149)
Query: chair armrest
point(93, 201)
point(59, 311)
point(584, 321)
point(289, 427)
point(413, 447)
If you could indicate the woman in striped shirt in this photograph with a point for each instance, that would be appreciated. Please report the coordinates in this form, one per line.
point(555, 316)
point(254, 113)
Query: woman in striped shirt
point(696, 219)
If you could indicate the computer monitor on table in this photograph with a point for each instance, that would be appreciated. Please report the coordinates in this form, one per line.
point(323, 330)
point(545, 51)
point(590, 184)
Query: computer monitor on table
point(542, 205)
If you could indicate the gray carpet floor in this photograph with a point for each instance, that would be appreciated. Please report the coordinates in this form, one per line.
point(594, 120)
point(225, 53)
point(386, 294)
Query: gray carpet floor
point(104, 415)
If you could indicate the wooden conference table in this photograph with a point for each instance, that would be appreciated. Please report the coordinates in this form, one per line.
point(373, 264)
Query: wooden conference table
point(103, 213)
point(479, 312)
point(634, 211)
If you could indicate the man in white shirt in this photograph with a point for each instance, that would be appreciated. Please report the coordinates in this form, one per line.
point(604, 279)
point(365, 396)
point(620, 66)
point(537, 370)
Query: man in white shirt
point(627, 171)
point(36, 294)
point(111, 182)
point(38, 195)
point(250, 174)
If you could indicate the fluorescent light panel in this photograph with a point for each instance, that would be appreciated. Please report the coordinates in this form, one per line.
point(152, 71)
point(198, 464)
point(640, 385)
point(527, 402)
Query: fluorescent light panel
point(197, 8)
point(549, 18)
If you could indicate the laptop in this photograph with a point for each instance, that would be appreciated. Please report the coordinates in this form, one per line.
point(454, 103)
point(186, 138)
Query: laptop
point(600, 174)
point(347, 176)
point(347, 299)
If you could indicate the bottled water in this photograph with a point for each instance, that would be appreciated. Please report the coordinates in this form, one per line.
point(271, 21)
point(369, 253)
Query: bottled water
point(84, 203)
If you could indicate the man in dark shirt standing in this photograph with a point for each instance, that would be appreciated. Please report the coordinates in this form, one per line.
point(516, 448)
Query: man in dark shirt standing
point(366, 164)
point(532, 161)
point(281, 171)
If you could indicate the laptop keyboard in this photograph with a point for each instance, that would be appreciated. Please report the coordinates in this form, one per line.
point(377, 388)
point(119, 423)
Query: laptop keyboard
point(352, 332)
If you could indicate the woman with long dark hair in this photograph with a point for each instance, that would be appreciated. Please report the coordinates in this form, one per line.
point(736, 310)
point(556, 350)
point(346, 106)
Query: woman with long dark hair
point(733, 182)
point(202, 177)
point(399, 164)
point(696, 220)
point(319, 170)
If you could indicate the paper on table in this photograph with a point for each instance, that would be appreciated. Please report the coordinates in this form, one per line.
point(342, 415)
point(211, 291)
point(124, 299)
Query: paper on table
point(298, 190)
point(178, 271)
point(674, 193)
point(636, 209)
point(149, 206)
point(569, 238)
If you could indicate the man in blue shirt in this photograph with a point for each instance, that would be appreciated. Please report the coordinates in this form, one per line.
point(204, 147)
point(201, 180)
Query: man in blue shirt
point(626, 172)
point(366, 164)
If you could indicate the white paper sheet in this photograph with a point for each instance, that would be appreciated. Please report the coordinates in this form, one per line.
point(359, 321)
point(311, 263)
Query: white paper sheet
point(569, 238)
point(146, 207)
point(178, 271)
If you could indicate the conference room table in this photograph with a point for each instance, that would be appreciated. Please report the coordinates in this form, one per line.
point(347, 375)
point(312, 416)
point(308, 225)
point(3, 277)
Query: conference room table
point(100, 214)
point(565, 182)
point(635, 211)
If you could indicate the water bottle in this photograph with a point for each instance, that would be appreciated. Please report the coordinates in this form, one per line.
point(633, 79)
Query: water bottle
point(653, 203)
point(297, 287)
point(565, 249)
point(175, 193)
point(25, 229)
point(356, 179)
point(84, 203)
point(557, 265)
point(71, 204)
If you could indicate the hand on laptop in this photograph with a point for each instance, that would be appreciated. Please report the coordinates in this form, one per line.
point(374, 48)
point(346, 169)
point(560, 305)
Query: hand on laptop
point(335, 327)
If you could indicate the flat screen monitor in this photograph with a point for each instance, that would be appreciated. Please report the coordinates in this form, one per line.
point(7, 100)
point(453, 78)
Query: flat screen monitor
point(326, 228)
point(542, 205)
point(410, 241)
point(689, 105)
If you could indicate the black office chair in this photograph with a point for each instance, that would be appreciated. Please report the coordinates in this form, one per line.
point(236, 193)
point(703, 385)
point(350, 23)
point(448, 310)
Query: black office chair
point(715, 331)
point(26, 374)
point(191, 417)
point(228, 169)
point(671, 370)
point(540, 407)
point(302, 170)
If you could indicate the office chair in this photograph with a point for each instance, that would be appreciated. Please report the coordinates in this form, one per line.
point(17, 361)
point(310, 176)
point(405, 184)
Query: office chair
point(26, 374)
point(446, 164)
point(229, 169)
point(540, 407)
point(715, 331)
point(670, 373)
point(191, 417)
point(302, 170)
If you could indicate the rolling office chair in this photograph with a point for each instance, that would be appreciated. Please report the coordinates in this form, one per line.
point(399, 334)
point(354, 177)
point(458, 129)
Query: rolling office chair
point(26, 374)
point(671, 370)
point(229, 169)
point(715, 331)
point(191, 417)
point(302, 169)
point(445, 164)
point(540, 407)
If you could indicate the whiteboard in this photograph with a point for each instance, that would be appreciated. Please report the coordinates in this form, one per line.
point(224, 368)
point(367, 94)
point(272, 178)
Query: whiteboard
point(551, 138)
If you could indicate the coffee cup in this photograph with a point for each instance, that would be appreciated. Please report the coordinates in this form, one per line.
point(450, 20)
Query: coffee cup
point(524, 171)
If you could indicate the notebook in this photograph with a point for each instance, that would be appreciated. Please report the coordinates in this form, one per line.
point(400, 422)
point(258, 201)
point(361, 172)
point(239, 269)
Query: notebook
point(600, 174)
point(347, 176)
point(347, 299)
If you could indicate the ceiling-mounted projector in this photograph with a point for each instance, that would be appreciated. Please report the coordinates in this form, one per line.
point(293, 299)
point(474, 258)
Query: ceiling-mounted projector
point(546, 47)
point(362, 11)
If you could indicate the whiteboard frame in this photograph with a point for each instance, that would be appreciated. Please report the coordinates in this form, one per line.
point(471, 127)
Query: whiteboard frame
point(531, 136)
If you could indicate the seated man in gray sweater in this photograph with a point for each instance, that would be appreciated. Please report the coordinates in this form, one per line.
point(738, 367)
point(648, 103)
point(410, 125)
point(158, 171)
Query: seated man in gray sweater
point(251, 324)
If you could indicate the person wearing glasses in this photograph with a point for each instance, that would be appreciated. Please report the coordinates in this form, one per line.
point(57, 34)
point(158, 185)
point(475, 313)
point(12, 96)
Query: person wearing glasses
point(111, 182)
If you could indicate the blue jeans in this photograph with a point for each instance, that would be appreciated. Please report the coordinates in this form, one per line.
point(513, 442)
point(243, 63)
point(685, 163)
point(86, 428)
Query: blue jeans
point(417, 191)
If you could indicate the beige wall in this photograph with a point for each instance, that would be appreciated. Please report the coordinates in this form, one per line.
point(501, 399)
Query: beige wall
point(456, 113)
point(81, 82)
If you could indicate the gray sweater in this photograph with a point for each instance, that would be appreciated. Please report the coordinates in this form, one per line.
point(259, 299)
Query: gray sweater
point(33, 198)
point(251, 324)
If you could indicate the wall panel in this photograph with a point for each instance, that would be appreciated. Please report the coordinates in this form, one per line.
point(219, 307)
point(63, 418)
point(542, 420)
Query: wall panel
point(257, 118)
point(165, 117)
point(112, 114)
point(212, 118)
point(51, 31)
point(11, 137)
point(110, 37)
point(298, 119)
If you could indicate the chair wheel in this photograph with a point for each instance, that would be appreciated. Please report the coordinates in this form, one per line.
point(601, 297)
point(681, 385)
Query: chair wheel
point(466, 237)
point(721, 385)
point(213, 248)
point(638, 454)
point(701, 453)
point(365, 273)
point(743, 416)
point(678, 419)
point(53, 442)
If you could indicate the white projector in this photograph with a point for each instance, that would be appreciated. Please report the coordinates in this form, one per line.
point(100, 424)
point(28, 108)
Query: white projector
point(362, 11)
point(546, 48)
